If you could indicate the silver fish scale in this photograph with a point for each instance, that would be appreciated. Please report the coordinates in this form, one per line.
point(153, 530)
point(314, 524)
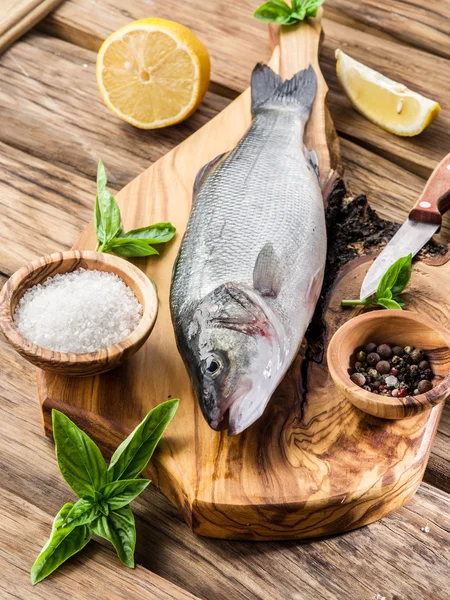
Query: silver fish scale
point(264, 191)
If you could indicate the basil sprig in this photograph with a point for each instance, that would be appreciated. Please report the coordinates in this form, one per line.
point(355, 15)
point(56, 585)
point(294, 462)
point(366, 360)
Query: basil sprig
point(279, 12)
point(104, 492)
point(111, 236)
point(390, 287)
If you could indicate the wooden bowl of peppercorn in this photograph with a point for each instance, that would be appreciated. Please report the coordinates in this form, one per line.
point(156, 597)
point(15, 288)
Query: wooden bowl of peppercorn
point(399, 341)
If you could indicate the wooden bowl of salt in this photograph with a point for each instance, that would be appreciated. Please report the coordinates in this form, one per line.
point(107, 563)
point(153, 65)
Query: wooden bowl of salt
point(130, 315)
point(394, 327)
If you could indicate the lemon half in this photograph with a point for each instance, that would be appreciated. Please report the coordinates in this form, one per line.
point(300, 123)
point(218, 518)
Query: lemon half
point(385, 102)
point(153, 73)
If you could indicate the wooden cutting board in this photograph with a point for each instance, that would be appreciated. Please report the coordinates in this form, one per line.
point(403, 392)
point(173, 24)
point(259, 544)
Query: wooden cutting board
point(18, 16)
point(313, 464)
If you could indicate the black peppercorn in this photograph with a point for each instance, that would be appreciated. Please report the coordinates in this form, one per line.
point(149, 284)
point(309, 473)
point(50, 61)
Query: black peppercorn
point(370, 348)
point(398, 351)
point(424, 386)
point(384, 351)
point(417, 356)
point(383, 367)
point(373, 358)
point(358, 378)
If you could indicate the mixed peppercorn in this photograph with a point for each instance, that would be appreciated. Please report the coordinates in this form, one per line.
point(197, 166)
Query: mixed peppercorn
point(391, 370)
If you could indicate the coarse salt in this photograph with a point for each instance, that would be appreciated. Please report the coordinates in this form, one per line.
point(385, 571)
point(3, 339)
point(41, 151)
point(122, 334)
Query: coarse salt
point(78, 312)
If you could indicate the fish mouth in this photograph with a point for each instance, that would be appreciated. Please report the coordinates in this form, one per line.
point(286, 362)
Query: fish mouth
point(222, 424)
point(221, 419)
point(249, 407)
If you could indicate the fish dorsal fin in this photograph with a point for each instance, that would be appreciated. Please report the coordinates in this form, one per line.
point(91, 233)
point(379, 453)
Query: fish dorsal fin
point(204, 172)
point(266, 279)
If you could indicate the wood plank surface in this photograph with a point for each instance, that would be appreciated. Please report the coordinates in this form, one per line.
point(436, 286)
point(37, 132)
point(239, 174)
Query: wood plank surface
point(18, 16)
point(364, 561)
point(63, 101)
point(88, 575)
point(304, 489)
point(424, 26)
point(363, 564)
point(412, 67)
point(87, 25)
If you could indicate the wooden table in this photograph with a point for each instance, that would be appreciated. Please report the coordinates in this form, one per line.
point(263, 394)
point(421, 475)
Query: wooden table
point(53, 129)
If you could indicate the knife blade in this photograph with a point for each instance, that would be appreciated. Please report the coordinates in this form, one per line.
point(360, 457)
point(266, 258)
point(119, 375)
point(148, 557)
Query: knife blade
point(423, 222)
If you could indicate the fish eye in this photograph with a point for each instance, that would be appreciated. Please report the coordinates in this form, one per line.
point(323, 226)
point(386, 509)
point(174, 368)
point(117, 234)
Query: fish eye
point(213, 365)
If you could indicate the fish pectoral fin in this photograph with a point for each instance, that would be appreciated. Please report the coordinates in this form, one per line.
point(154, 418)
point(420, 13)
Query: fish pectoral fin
point(314, 289)
point(266, 277)
point(311, 157)
point(204, 172)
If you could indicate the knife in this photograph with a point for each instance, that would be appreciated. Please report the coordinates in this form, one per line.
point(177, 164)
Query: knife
point(423, 222)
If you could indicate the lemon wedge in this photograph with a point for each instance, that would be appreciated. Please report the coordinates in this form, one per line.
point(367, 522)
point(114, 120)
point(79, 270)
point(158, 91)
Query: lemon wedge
point(383, 101)
point(153, 73)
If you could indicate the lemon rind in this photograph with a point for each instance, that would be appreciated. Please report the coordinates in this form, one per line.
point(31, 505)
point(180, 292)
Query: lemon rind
point(184, 113)
point(429, 109)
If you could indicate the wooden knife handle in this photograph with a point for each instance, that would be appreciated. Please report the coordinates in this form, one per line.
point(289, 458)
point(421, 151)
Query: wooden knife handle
point(435, 198)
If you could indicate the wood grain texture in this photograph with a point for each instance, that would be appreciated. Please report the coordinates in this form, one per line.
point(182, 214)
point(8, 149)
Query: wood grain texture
point(73, 129)
point(392, 557)
point(409, 21)
point(302, 487)
point(86, 24)
point(18, 16)
point(207, 568)
point(69, 364)
point(395, 327)
point(415, 69)
point(85, 576)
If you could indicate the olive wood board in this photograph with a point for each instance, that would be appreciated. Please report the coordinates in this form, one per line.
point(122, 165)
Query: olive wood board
point(313, 464)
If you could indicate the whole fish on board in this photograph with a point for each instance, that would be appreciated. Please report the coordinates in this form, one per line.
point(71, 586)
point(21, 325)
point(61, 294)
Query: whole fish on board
point(250, 266)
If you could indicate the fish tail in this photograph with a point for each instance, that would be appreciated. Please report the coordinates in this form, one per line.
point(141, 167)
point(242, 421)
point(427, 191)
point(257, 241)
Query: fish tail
point(268, 91)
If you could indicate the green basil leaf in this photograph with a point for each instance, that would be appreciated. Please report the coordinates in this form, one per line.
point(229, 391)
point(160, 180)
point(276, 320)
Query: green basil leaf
point(399, 301)
point(119, 528)
point(98, 223)
point(404, 275)
point(159, 233)
point(274, 11)
point(133, 454)
point(389, 279)
point(101, 177)
point(122, 492)
point(107, 217)
point(299, 15)
point(388, 303)
point(277, 11)
point(83, 512)
point(129, 247)
point(310, 7)
point(110, 215)
point(104, 508)
point(79, 459)
point(63, 543)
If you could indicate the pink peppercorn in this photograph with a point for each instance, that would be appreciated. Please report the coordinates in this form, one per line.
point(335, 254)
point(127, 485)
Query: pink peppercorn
point(394, 372)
